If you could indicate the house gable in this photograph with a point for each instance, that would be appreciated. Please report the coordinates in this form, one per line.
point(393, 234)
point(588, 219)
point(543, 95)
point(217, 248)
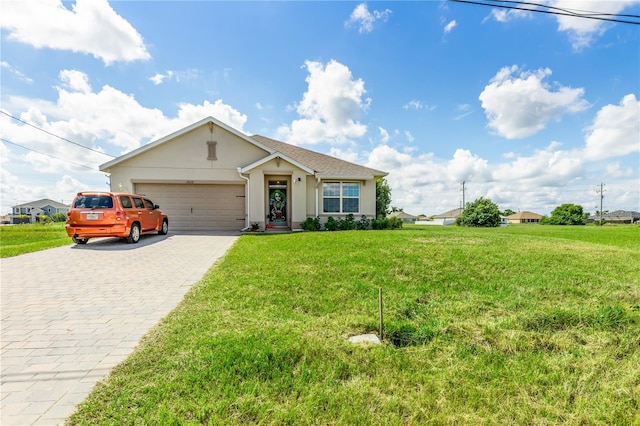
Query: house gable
point(207, 152)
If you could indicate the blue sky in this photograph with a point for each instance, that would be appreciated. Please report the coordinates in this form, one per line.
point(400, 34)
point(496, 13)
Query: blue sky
point(529, 109)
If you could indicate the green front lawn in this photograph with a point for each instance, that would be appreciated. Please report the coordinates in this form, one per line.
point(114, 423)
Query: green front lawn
point(516, 325)
point(30, 237)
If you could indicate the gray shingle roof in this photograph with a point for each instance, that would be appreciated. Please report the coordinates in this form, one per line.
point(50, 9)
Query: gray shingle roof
point(618, 214)
point(450, 214)
point(42, 203)
point(322, 164)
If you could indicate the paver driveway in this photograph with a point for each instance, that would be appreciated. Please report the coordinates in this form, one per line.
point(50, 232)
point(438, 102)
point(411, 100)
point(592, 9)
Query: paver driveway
point(70, 314)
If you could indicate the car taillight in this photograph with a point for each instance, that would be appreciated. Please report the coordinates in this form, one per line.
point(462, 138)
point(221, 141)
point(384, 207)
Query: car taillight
point(118, 215)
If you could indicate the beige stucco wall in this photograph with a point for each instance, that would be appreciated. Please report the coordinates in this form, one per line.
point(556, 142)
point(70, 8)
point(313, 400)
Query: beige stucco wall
point(184, 160)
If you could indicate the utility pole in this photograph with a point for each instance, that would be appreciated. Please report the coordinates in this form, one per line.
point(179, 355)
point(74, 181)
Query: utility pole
point(463, 191)
point(601, 192)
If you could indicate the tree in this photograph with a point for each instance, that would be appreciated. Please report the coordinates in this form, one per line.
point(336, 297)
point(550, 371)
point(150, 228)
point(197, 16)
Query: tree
point(383, 198)
point(481, 213)
point(565, 214)
point(508, 212)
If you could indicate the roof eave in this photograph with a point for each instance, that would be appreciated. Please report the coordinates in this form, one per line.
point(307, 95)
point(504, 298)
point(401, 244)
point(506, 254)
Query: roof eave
point(272, 156)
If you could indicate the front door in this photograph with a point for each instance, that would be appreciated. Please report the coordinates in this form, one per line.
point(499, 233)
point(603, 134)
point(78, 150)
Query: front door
point(278, 203)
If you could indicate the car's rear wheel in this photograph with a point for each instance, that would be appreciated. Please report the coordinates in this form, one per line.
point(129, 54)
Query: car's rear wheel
point(134, 234)
point(165, 227)
point(79, 240)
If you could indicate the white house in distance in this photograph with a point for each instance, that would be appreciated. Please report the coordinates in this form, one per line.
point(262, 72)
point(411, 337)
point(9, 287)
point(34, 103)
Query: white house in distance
point(446, 218)
point(211, 177)
point(33, 209)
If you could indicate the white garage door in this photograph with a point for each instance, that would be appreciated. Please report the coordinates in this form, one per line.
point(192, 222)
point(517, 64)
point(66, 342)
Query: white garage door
point(199, 207)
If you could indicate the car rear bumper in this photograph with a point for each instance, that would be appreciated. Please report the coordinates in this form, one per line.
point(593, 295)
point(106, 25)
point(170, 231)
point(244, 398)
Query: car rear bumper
point(84, 231)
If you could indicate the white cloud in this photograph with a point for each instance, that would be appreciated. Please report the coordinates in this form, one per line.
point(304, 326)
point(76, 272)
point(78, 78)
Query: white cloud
point(615, 130)
point(506, 15)
point(19, 74)
point(409, 136)
point(366, 19)
point(463, 110)
point(520, 104)
point(160, 78)
point(347, 155)
point(413, 104)
point(384, 135)
point(550, 166)
point(450, 26)
point(330, 108)
point(583, 31)
point(49, 24)
point(540, 181)
point(75, 80)
point(616, 170)
point(178, 76)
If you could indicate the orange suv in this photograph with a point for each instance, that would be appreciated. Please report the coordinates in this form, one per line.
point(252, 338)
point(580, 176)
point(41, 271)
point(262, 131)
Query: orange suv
point(111, 214)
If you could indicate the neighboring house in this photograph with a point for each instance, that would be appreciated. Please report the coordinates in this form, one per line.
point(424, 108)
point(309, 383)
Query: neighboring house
point(446, 218)
point(211, 177)
point(524, 217)
point(45, 206)
point(405, 217)
point(504, 221)
point(618, 216)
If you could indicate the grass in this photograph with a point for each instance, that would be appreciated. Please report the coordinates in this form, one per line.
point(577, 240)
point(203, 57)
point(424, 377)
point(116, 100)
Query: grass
point(516, 325)
point(27, 238)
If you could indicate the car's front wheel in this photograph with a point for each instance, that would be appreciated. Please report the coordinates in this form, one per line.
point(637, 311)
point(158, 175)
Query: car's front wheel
point(134, 234)
point(165, 227)
point(79, 240)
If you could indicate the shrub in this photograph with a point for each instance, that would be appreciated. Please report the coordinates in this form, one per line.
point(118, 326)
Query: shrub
point(481, 213)
point(347, 224)
point(394, 222)
point(43, 218)
point(380, 223)
point(565, 214)
point(331, 224)
point(311, 224)
point(363, 223)
point(59, 217)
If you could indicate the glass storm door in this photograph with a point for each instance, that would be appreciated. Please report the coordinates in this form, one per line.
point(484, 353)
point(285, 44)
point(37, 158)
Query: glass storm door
point(278, 203)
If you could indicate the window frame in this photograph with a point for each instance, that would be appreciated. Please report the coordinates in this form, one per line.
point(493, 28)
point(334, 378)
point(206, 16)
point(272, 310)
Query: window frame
point(341, 196)
point(211, 151)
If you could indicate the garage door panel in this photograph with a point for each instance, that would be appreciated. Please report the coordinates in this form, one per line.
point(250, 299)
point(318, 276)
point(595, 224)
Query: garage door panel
point(199, 207)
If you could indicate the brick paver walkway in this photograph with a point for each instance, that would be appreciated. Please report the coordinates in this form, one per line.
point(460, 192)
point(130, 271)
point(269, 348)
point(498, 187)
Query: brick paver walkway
point(70, 314)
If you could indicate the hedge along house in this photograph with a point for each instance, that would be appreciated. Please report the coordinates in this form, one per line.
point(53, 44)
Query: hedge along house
point(211, 177)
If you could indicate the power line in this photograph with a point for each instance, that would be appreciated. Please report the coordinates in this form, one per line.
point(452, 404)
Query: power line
point(54, 135)
point(543, 8)
point(48, 155)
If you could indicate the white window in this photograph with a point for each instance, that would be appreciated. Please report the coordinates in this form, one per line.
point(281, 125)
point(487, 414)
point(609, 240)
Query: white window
point(340, 197)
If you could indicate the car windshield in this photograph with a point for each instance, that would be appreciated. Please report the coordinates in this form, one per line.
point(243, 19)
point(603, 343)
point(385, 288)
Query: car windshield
point(93, 202)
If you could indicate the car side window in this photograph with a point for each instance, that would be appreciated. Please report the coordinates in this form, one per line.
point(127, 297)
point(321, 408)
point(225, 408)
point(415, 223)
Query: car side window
point(138, 202)
point(148, 203)
point(126, 202)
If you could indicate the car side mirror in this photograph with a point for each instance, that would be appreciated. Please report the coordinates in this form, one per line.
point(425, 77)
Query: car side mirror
point(156, 206)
